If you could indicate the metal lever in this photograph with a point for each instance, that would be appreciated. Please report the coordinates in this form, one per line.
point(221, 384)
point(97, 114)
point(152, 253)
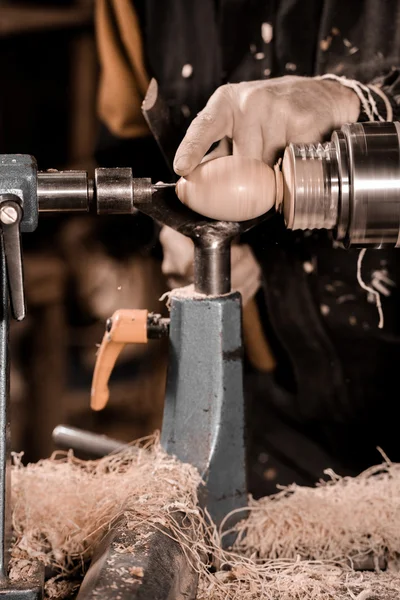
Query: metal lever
point(10, 219)
point(126, 326)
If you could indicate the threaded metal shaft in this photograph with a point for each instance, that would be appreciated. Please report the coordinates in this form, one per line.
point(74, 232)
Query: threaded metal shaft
point(309, 171)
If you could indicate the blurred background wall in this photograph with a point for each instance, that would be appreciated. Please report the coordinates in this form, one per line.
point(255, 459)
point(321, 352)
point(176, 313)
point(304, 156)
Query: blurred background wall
point(77, 271)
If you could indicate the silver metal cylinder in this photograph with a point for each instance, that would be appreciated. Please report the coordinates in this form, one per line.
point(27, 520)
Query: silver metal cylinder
point(117, 191)
point(64, 191)
point(85, 442)
point(311, 199)
point(212, 267)
point(350, 185)
point(114, 192)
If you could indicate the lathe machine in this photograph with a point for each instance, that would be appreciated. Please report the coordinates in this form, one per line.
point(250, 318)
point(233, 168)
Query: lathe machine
point(350, 185)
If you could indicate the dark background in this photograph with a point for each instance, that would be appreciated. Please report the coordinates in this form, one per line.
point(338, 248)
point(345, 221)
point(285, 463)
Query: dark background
point(49, 74)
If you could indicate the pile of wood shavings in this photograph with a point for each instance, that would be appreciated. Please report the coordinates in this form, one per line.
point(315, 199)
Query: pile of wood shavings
point(290, 580)
point(296, 544)
point(63, 506)
point(303, 543)
point(352, 517)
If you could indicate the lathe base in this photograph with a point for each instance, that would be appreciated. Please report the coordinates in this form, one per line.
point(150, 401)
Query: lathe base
point(144, 564)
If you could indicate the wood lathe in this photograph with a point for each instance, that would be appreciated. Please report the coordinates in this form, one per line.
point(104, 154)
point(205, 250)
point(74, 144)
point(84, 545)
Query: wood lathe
point(351, 185)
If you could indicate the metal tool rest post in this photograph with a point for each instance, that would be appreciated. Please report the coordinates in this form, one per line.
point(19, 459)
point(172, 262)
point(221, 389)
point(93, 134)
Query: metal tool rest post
point(204, 406)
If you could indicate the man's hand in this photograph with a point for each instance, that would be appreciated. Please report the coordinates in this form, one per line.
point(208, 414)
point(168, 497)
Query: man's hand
point(256, 119)
point(177, 265)
point(261, 117)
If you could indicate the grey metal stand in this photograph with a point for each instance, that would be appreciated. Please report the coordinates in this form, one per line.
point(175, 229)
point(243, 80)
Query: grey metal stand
point(204, 403)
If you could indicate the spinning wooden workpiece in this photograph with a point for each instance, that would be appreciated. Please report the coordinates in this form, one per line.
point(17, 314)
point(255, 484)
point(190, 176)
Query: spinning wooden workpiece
point(234, 188)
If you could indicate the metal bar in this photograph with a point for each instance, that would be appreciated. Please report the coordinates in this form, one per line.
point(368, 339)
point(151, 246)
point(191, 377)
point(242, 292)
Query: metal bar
point(157, 326)
point(85, 442)
point(10, 219)
point(63, 191)
point(212, 268)
point(5, 508)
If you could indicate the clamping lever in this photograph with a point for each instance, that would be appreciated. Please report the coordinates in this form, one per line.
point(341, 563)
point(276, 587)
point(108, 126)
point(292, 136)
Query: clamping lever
point(126, 326)
point(10, 219)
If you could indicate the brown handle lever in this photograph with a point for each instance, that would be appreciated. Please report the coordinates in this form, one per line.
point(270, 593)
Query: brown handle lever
point(126, 326)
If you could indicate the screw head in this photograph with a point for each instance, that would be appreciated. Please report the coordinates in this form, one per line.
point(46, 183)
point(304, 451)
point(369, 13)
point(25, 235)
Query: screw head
point(8, 215)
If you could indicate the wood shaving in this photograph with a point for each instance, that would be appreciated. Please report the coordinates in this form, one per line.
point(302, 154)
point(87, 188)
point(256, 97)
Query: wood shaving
point(301, 543)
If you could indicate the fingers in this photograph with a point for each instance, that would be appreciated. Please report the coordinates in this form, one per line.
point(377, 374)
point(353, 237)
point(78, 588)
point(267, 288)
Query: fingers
point(261, 117)
point(210, 126)
point(248, 141)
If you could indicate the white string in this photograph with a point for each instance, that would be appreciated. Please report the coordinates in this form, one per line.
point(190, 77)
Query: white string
point(389, 109)
point(352, 84)
point(373, 103)
point(363, 92)
point(369, 289)
point(371, 100)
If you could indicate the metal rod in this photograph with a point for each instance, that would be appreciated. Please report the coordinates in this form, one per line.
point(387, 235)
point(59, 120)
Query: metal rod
point(157, 326)
point(85, 442)
point(212, 268)
point(5, 497)
point(10, 219)
point(160, 185)
point(64, 191)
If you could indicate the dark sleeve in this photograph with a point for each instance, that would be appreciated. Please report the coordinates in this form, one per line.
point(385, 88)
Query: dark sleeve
point(389, 85)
